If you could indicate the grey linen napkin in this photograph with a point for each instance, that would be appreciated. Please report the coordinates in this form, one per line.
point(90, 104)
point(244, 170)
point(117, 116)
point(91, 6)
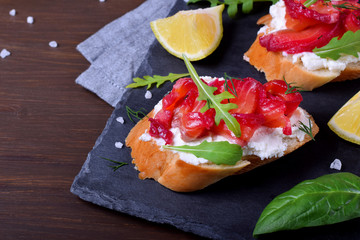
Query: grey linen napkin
point(117, 50)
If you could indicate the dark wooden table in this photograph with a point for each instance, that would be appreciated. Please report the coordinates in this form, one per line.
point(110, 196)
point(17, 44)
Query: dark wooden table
point(49, 124)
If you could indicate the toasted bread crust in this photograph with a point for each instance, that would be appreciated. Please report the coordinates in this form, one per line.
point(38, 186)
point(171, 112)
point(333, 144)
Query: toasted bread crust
point(351, 72)
point(169, 170)
point(277, 66)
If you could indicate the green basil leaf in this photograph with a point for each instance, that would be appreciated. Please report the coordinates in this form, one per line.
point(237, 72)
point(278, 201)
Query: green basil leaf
point(216, 152)
point(214, 101)
point(349, 44)
point(325, 200)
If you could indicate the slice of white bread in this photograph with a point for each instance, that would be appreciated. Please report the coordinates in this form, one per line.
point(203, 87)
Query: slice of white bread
point(277, 66)
point(166, 167)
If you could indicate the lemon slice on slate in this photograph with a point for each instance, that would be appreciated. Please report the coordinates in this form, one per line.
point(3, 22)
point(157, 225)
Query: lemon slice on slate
point(195, 33)
point(346, 122)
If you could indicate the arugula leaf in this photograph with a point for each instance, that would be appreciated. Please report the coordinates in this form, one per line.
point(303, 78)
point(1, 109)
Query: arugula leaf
point(247, 6)
point(216, 152)
point(348, 44)
point(214, 101)
point(325, 200)
point(232, 7)
point(212, 2)
point(232, 10)
point(148, 80)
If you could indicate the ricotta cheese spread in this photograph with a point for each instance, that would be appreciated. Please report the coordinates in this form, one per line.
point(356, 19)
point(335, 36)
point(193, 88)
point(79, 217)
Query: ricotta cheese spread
point(265, 143)
point(310, 60)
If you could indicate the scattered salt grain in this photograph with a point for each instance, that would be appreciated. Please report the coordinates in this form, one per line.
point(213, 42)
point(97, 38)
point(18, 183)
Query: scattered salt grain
point(336, 164)
point(4, 53)
point(30, 20)
point(102, 0)
point(53, 44)
point(12, 12)
point(148, 95)
point(119, 144)
point(120, 120)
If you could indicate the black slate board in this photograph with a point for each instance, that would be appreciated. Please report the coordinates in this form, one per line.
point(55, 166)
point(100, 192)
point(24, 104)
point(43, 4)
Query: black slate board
point(230, 208)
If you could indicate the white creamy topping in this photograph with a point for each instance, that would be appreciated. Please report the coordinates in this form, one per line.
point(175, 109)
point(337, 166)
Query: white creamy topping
point(145, 137)
point(313, 62)
point(265, 143)
point(210, 79)
point(310, 60)
point(271, 142)
point(277, 12)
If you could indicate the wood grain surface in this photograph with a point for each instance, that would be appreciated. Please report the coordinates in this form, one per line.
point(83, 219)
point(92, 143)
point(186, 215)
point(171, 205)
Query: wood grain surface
point(49, 124)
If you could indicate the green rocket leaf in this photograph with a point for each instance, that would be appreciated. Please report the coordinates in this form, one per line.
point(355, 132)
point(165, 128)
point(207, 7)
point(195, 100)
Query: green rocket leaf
point(349, 44)
point(214, 101)
point(156, 79)
point(216, 152)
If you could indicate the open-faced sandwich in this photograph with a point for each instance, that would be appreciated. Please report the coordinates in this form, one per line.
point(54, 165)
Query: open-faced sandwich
point(207, 128)
point(309, 43)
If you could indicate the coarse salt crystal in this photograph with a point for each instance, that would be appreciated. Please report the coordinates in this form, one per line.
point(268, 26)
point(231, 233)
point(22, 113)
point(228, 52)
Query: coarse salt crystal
point(336, 164)
point(120, 120)
point(12, 12)
point(119, 144)
point(102, 0)
point(53, 44)
point(4, 53)
point(30, 20)
point(148, 95)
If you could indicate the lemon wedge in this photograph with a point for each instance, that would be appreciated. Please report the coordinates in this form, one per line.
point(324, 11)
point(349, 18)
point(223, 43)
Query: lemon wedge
point(195, 33)
point(346, 122)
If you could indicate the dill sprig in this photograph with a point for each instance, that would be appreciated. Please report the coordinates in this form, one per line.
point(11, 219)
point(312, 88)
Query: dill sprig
point(115, 167)
point(306, 129)
point(345, 6)
point(131, 113)
point(226, 84)
point(291, 89)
